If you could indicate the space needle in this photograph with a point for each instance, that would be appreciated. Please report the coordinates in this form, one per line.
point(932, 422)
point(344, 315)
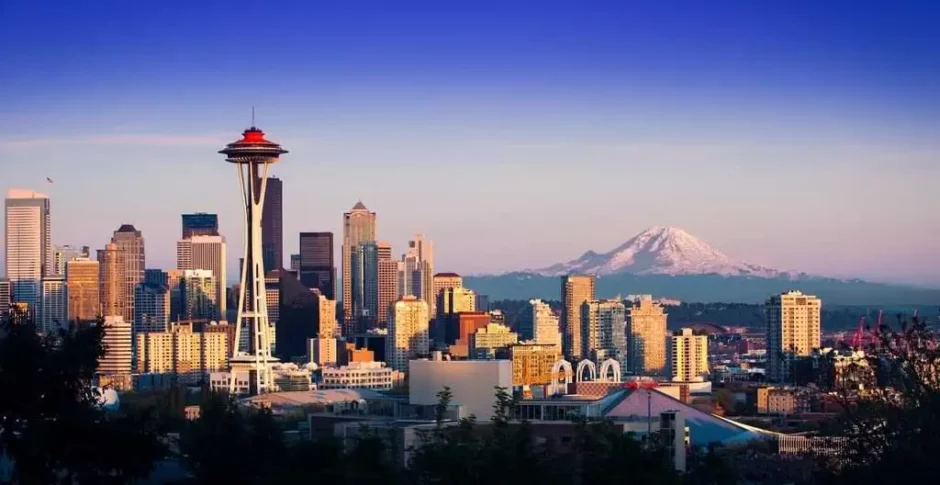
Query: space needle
point(252, 155)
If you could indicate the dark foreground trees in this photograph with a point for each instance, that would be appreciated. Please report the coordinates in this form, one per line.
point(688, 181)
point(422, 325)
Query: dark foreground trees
point(51, 426)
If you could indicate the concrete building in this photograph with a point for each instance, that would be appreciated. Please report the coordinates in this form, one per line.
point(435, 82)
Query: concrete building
point(455, 300)
point(130, 241)
point(387, 282)
point(540, 324)
point(29, 255)
point(358, 227)
point(407, 333)
point(112, 283)
point(118, 359)
point(199, 224)
point(82, 280)
point(487, 340)
point(316, 267)
point(53, 311)
point(63, 254)
point(793, 330)
point(5, 297)
point(198, 294)
point(646, 338)
point(151, 308)
point(206, 253)
point(322, 351)
point(575, 290)
point(532, 363)
point(471, 382)
point(360, 375)
point(417, 272)
point(688, 356)
point(458, 329)
point(602, 330)
point(190, 355)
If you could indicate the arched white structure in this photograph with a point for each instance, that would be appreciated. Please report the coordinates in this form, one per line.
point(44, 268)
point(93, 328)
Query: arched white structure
point(605, 369)
point(592, 371)
point(561, 369)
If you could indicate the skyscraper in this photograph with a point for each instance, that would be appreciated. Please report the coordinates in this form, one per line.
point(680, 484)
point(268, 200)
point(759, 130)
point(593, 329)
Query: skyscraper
point(200, 224)
point(317, 269)
point(688, 356)
point(4, 298)
point(419, 271)
point(208, 253)
point(29, 255)
point(646, 338)
point(64, 254)
point(575, 290)
point(539, 324)
point(118, 358)
point(358, 227)
point(300, 317)
point(602, 330)
point(131, 241)
point(295, 263)
point(455, 300)
point(82, 280)
point(151, 308)
point(407, 333)
point(198, 294)
point(54, 308)
point(793, 330)
point(272, 225)
point(112, 282)
point(388, 282)
point(365, 292)
point(444, 280)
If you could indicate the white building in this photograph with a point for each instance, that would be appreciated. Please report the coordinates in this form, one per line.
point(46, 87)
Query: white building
point(688, 356)
point(472, 383)
point(407, 332)
point(118, 343)
point(53, 311)
point(540, 324)
point(360, 375)
point(206, 253)
point(793, 329)
point(29, 255)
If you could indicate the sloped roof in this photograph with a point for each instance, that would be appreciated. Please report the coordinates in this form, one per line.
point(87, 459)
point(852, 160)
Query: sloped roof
point(704, 428)
point(359, 206)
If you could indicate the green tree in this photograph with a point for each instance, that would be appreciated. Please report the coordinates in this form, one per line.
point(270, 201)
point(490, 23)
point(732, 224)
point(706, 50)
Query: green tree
point(51, 425)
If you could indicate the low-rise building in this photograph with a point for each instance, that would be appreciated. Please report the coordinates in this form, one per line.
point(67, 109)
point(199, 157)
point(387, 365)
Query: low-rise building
point(532, 363)
point(360, 375)
point(487, 340)
point(471, 382)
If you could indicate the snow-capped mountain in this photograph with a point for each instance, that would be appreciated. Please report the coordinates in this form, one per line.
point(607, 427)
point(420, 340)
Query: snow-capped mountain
point(659, 250)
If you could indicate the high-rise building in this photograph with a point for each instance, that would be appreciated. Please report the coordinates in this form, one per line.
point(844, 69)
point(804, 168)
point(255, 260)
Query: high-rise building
point(575, 290)
point(646, 338)
point(53, 311)
point(5, 295)
point(118, 358)
point(487, 340)
point(29, 255)
point(304, 313)
point(273, 290)
point(295, 263)
point(316, 266)
point(82, 280)
point(688, 356)
point(64, 254)
point(407, 333)
point(190, 355)
point(539, 324)
point(388, 282)
point(131, 242)
point(112, 283)
point(200, 224)
point(793, 330)
point(358, 227)
point(198, 295)
point(418, 272)
point(151, 308)
point(173, 277)
point(272, 225)
point(602, 330)
point(365, 291)
point(207, 253)
point(154, 276)
point(445, 280)
point(455, 300)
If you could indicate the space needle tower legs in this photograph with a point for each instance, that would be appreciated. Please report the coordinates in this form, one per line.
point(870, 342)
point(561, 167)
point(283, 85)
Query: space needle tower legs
point(252, 156)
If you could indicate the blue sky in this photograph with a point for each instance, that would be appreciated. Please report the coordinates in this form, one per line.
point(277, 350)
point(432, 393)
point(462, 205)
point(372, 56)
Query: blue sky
point(799, 134)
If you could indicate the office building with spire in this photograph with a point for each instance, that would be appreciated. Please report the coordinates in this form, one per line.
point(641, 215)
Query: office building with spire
point(29, 255)
point(359, 226)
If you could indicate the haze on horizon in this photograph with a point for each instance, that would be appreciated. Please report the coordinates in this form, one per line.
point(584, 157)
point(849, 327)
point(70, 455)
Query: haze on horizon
point(793, 135)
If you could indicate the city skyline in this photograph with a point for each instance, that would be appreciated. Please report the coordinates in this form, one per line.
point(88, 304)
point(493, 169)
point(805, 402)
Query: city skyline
point(511, 104)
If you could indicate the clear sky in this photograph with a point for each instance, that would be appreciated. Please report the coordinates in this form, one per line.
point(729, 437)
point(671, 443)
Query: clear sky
point(794, 134)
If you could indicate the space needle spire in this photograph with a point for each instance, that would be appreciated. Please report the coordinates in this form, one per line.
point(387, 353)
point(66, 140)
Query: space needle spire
point(252, 155)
